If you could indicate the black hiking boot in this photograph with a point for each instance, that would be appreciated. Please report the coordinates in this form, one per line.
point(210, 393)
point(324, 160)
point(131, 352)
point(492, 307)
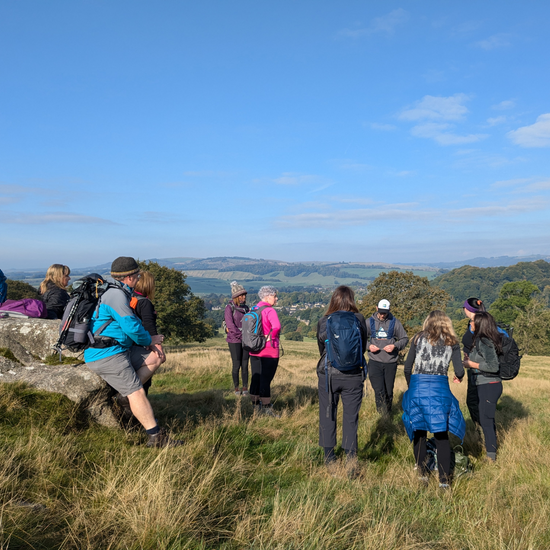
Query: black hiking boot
point(162, 439)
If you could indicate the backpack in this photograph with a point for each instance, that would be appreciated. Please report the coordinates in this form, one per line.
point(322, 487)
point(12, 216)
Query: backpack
point(3, 287)
point(254, 340)
point(27, 307)
point(344, 344)
point(391, 328)
point(74, 331)
point(460, 463)
point(509, 361)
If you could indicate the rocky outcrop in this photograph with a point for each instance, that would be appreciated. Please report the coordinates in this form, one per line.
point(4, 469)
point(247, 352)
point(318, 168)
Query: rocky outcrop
point(30, 341)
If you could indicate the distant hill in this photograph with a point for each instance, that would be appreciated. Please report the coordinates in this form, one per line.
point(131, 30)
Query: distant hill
point(499, 261)
point(485, 283)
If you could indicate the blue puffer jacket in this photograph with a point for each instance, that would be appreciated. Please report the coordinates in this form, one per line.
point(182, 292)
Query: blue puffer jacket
point(429, 405)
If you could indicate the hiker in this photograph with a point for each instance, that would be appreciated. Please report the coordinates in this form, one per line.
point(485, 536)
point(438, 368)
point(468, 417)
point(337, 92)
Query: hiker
point(141, 303)
point(334, 383)
point(53, 290)
point(387, 338)
point(428, 404)
point(233, 317)
point(3, 287)
point(263, 364)
point(482, 360)
point(130, 362)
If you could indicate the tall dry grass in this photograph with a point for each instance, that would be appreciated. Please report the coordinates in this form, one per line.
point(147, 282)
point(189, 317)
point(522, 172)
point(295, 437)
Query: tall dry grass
point(243, 481)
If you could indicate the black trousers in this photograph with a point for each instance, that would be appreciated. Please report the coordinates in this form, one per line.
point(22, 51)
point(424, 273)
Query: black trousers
point(443, 453)
point(489, 394)
point(472, 397)
point(382, 379)
point(350, 389)
point(239, 357)
point(263, 371)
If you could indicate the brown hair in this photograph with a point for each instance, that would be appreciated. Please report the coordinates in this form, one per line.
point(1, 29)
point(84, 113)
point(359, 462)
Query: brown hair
point(146, 285)
point(55, 275)
point(343, 299)
point(437, 326)
point(486, 327)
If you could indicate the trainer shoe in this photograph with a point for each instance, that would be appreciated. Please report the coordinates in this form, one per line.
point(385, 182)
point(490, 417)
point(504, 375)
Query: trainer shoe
point(162, 439)
point(237, 391)
point(244, 391)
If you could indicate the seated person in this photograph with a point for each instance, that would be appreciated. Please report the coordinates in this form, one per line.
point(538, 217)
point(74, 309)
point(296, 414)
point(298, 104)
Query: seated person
point(53, 290)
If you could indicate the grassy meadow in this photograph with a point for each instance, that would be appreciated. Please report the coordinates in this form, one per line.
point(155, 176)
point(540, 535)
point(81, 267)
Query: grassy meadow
point(248, 482)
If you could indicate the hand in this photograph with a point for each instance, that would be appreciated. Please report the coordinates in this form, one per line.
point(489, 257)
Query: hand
point(159, 351)
point(457, 380)
point(157, 339)
point(389, 348)
point(373, 348)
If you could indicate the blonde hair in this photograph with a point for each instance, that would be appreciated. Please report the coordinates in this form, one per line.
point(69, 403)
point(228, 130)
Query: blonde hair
point(55, 275)
point(438, 326)
point(146, 285)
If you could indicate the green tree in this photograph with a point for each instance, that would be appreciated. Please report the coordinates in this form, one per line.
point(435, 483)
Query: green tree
point(295, 336)
point(513, 299)
point(532, 328)
point(19, 290)
point(411, 297)
point(181, 314)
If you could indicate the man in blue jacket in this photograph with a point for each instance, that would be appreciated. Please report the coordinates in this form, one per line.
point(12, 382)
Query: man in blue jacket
point(130, 362)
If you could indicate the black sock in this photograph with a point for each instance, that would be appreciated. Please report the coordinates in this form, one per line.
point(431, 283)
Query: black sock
point(153, 431)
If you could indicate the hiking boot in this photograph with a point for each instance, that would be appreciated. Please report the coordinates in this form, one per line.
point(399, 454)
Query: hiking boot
point(268, 410)
point(352, 468)
point(162, 439)
point(444, 486)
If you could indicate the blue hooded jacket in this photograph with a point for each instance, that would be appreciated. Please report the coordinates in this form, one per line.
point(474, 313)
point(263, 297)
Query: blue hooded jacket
point(429, 405)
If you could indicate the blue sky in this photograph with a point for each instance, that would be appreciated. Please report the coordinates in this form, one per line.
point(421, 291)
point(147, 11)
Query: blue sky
point(311, 130)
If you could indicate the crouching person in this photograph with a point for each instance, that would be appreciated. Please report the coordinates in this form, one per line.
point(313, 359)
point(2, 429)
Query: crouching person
point(126, 360)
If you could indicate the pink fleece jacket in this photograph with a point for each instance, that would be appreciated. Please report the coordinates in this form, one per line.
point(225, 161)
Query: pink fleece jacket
point(270, 322)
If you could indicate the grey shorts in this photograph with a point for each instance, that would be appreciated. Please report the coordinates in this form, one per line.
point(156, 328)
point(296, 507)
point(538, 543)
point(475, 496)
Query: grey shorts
point(119, 371)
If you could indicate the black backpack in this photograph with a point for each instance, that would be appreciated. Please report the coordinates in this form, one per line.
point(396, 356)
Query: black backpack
point(509, 361)
point(74, 331)
point(254, 340)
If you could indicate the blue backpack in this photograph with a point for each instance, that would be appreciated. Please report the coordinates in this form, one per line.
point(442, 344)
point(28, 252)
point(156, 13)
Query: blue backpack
point(3, 287)
point(254, 340)
point(344, 344)
point(391, 328)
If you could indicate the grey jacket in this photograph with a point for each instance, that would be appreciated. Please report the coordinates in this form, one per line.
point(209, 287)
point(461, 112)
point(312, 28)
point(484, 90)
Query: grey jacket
point(399, 340)
point(483, 352)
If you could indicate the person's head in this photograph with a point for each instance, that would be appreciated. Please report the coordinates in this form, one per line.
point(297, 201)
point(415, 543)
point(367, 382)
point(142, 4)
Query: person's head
point(146, 285)
point(472, 306)
point(437, 326)
point(238, 293)
point(486, 327)
point(268, 294)
point(126, 270)
point(57, 274)
point(342, 299)
point(383, 309)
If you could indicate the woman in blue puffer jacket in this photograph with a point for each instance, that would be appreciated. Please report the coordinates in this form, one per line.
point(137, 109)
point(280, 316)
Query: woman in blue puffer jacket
point(428, 404)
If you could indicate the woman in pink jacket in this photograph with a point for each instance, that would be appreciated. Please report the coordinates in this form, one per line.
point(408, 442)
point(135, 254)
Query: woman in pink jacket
point(264, 364)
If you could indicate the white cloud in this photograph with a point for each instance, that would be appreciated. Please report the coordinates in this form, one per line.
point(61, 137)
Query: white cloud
point(496, 120)
point(511, 183)
point(384, 24)
point(439, 133)
point(289, 178)
point(496, 210)
point(504, 105)
point(437, 108)
point(493, 42)
point(52, 217)
point(535, 135)
point(383, 127)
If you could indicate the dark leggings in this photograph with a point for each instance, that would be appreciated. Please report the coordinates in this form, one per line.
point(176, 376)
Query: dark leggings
point(239, 356)
point(472, 397)
point(443, 453)
point(382, 379)
point(263, 371)
point(489, 394)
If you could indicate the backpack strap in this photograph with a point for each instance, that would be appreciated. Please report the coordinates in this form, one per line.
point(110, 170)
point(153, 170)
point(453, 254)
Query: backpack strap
point(392, 328)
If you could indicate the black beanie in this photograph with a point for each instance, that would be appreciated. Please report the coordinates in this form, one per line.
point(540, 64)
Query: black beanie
point(123, 267)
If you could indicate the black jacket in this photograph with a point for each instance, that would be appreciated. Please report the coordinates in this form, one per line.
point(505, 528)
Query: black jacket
point(146, 312)
point(322, 336)
point(55, 299)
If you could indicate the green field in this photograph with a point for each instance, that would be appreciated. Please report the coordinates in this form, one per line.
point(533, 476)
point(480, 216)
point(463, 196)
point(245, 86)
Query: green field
point(247, 482)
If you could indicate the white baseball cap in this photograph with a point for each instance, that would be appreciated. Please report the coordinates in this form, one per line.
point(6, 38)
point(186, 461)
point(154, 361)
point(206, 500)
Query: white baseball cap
point(383, 306)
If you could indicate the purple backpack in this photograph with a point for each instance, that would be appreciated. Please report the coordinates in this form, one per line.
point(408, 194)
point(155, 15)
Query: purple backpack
point(27, 307)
